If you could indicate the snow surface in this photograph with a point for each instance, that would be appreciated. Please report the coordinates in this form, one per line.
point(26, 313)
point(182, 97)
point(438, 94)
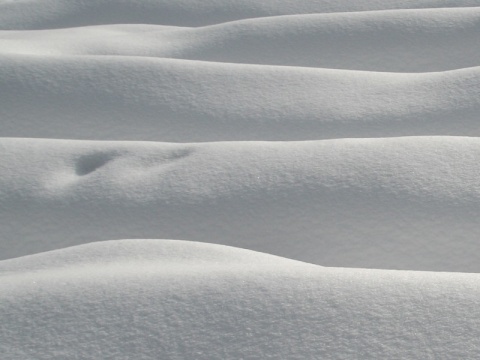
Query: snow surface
point(398, 203)
point(146, 299)
point(300, 133)
point(402, 40)
point(96, 98)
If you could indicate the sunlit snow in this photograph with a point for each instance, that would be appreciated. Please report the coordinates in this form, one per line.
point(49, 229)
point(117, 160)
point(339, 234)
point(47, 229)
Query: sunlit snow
point(239, 179)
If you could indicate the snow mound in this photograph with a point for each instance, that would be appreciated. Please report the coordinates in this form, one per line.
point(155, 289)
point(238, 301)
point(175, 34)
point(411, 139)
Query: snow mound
point(44, 14)
point(147, 299)
point(289, 134)
point(395, 203)
point(397, 41)
point(138, 98)
point(162, 254)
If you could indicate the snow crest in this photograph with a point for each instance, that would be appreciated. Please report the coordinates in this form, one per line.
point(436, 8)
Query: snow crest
point(282, 146)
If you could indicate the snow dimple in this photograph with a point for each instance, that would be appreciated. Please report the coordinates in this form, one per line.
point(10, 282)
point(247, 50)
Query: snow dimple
point(87, 164)
point(180, 154)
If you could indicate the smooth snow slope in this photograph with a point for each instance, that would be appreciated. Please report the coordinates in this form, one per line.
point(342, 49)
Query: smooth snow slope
point(385, 92)
point(146, 299)
point(398, 203)
point(400, 41)
point(42, 14)
point(128, 98)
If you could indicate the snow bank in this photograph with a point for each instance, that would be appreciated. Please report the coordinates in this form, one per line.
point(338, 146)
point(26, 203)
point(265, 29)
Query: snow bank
point(42, 14)
point(398, 41)
point(386, 92)
point(147, 299)
point(128, 98)
point(397, 203)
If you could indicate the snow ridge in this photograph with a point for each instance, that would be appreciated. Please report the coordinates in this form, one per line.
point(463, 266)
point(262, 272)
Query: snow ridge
point(386, 203)
point(268, 139)
point(148, 299)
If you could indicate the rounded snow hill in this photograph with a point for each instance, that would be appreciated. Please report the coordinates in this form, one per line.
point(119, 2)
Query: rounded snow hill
point(202, 72)
point(395, 203)
point(426, 40)
point(147, 299)
point(140, 98)
point(43, 14)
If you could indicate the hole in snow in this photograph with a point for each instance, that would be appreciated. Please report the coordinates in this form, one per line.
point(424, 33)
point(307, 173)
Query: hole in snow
point(179, 154)
point(87, 164)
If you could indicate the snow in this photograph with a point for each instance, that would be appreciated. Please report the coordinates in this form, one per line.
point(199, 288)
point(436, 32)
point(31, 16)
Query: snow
point(96, 98)
point(314, 163)
point(146, 299)
point(47, 14)
point(397, 203)
point(403, 40)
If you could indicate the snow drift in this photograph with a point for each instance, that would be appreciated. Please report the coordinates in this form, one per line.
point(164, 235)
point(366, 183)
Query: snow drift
point(147, 299)
point(34, 14)
point(402, 40)
point(398, 203)
point(329, 132)
point(125, 98)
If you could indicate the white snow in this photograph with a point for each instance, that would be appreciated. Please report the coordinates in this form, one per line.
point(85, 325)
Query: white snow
point(331, 145)
point(47, 14)
point(147, 299)
point(189, 101)
point(402, 40)
point(397, 203)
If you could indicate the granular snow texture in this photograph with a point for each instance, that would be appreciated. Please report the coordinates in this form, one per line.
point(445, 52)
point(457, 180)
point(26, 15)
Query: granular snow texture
point(304, 156)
